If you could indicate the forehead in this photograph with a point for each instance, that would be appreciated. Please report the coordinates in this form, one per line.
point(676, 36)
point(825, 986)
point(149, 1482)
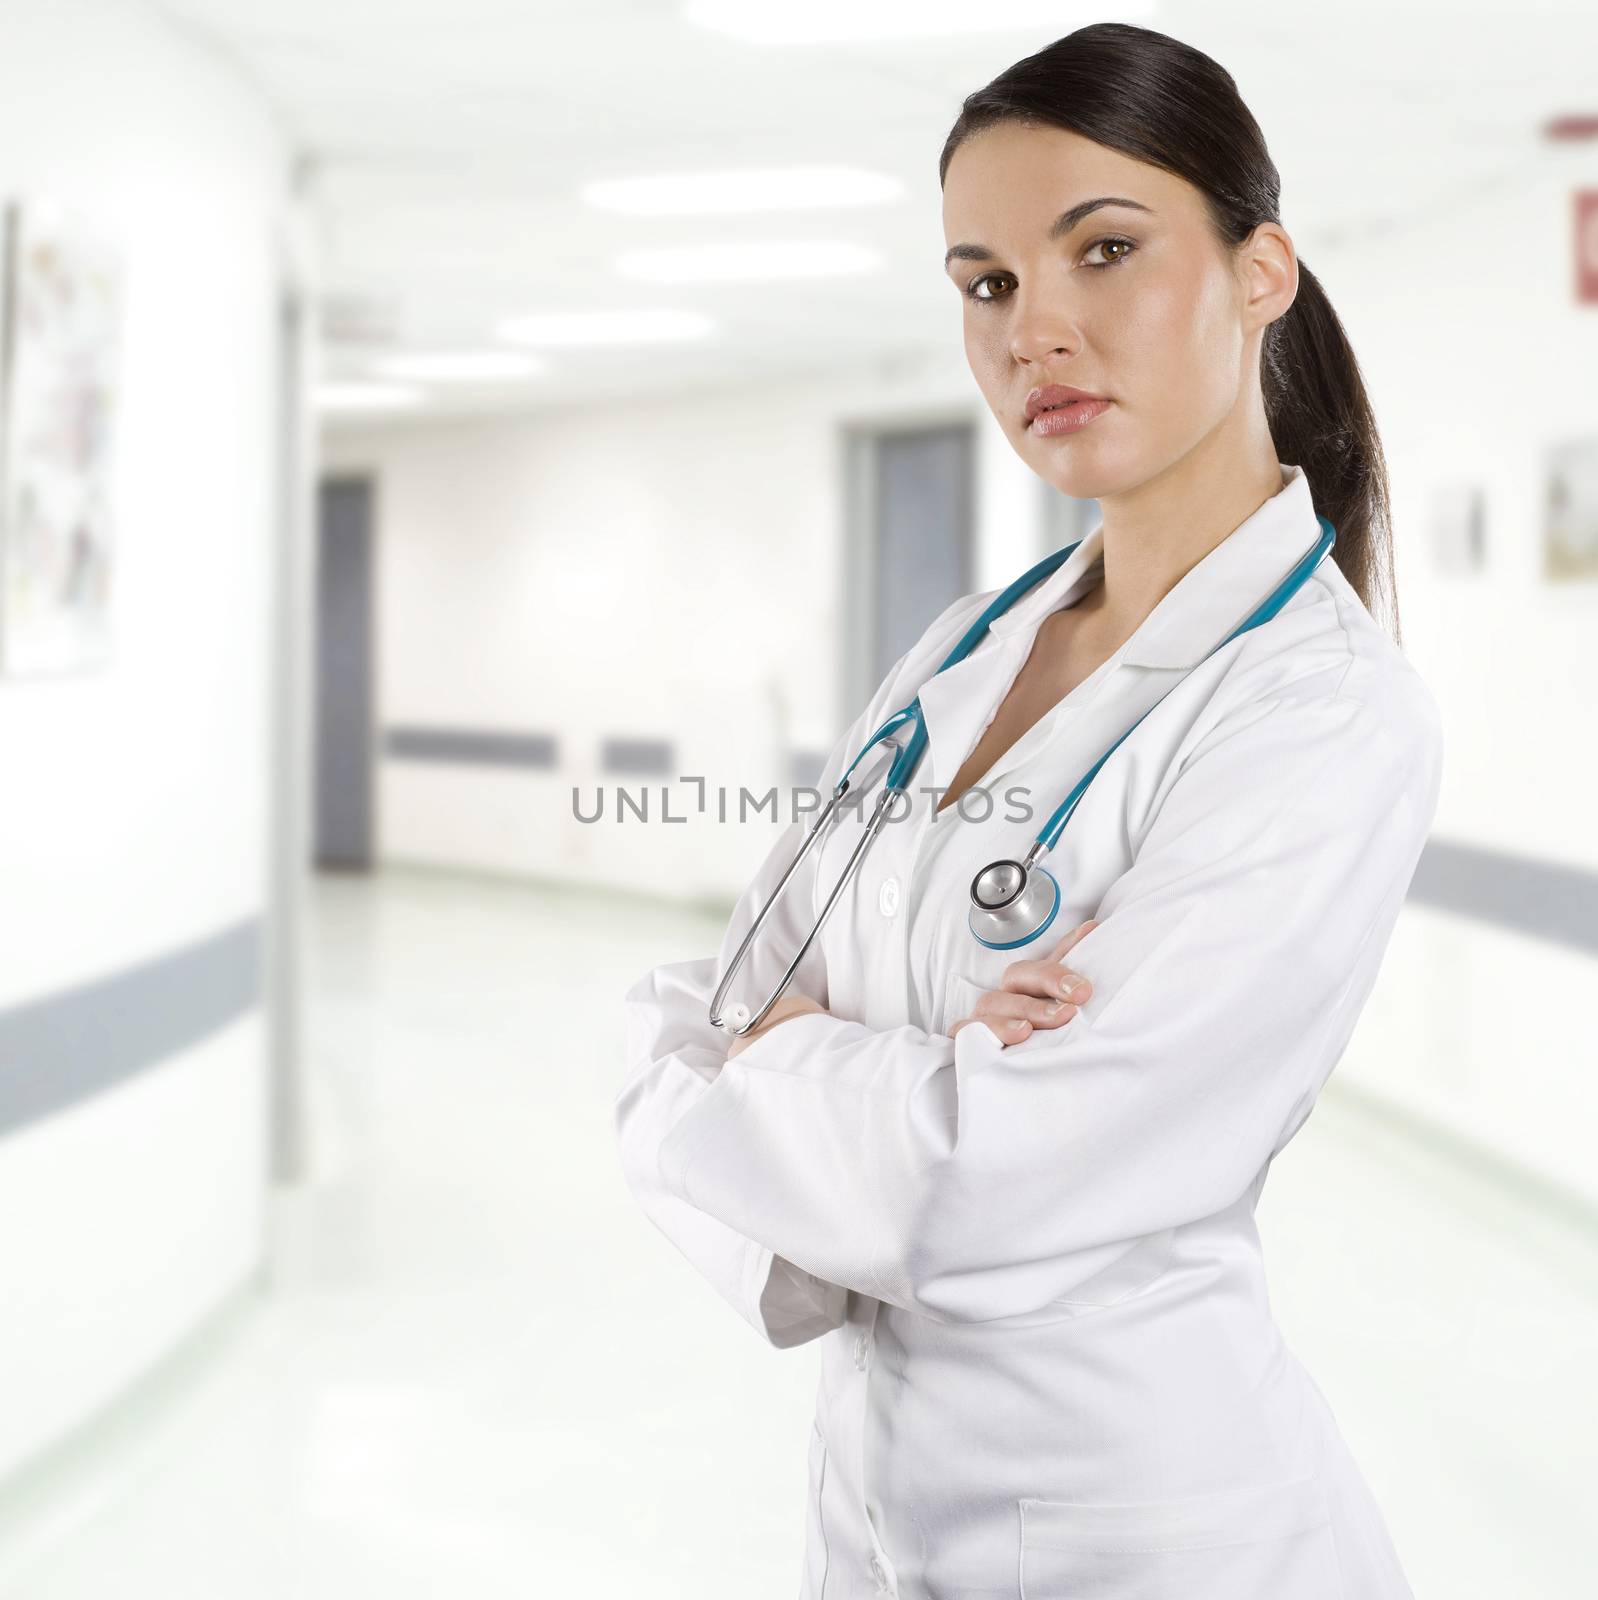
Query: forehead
point(1009, 182)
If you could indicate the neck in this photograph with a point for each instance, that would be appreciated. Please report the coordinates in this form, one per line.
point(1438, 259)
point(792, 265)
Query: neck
point(1157, 532)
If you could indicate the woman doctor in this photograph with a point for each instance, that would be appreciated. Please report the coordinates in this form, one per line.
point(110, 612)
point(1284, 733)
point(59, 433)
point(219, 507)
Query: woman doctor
point(1012, 1192)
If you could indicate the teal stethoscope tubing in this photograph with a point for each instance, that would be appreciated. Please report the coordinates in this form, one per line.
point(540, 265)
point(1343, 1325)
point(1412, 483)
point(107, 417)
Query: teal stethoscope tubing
point(1019, 907)
point(909, 757)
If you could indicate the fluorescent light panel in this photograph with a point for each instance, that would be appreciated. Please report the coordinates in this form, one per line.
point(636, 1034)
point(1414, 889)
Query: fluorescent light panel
point(851, 21)
point(458, 366)
point(365, 396)
point(750, 261)
point(574, 329)
point(752, 189)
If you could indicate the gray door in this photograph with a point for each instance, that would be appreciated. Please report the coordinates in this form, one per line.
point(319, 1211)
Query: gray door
point(923, 516)
point(344, 694)
point(1064, 519)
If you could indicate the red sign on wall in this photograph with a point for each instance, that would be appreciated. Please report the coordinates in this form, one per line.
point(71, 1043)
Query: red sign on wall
point(1587, 246)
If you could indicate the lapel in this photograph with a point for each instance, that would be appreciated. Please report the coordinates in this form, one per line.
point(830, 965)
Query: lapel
point(1205, 604)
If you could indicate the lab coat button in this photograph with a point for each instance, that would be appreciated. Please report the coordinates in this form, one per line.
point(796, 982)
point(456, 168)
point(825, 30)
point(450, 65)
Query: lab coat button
point(878, 1572)
point(861, 1345)
point(888, 897)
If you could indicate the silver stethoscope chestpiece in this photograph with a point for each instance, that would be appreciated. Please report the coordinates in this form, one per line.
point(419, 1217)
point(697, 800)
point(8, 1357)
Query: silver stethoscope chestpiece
point(1012, 903)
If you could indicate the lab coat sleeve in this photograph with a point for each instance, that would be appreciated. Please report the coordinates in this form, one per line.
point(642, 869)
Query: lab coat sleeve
point(970, 1181)
point(674, 1053)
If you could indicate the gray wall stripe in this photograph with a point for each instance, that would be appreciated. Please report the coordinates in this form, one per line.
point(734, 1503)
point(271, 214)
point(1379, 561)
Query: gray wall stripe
point(1542, 898)
point(650, 757)
point(59, 1049)
point(68, 1045)
point(467, 744)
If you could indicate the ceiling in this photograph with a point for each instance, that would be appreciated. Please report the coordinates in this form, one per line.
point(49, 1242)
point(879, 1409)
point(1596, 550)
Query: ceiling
point(444, 143)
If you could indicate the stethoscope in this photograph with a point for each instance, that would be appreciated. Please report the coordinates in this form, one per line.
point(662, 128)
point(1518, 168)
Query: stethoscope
point(1012, 902)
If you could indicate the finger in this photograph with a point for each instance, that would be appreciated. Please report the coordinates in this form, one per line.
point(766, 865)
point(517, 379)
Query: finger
point(1080, 931)
point(1047, 980)
point(1007, 1030)
point(1043, 977)
point(1040, 1011)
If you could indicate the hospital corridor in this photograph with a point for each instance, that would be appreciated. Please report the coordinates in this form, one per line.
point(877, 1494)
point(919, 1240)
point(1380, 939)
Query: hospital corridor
point(473, 479)
point(470, 1364)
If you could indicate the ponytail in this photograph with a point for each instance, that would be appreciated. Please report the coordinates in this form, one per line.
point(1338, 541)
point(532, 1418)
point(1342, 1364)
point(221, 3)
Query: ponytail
point(1321, 420)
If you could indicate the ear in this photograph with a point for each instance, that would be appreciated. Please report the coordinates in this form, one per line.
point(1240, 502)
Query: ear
point(1269, 266)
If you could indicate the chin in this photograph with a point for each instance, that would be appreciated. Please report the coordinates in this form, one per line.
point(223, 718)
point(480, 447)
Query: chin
point(1084, 468)
point(1081, 480)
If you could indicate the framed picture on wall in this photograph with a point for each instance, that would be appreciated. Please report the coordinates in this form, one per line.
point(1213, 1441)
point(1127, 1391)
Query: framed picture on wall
point(1570, 527)
point(60, 348)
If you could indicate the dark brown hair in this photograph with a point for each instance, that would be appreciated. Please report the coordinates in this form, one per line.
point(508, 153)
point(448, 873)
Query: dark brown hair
point(1160, 101)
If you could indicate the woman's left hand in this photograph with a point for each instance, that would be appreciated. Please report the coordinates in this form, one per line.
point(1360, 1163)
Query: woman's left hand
point(792, 1004)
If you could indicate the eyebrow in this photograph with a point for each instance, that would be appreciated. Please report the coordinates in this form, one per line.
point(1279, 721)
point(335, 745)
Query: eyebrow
point(1061, 226)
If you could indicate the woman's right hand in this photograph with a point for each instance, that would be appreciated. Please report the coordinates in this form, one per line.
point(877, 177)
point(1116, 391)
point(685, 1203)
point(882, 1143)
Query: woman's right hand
point(1033, 994)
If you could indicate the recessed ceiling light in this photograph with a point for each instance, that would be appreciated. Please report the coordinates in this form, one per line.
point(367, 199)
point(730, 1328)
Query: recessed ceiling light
point(848, 21)
point(568, 329)
point(749, 261)
point(699, 194)
point(458, 366)
point(365, 396)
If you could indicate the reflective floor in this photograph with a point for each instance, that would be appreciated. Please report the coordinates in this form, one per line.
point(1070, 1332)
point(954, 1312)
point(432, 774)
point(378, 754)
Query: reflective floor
point(472, 1368)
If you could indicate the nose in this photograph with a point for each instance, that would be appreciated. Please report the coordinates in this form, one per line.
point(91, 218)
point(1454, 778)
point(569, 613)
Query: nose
point(1044, 329)
point(1040, 351)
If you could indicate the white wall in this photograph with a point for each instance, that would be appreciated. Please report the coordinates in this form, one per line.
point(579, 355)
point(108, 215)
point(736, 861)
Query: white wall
point(656, 570)
point(668, 571)
point(132, 815)
point(1478, 359)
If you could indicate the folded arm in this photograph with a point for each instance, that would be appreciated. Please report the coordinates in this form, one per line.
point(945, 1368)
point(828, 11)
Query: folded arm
point(967, 1180)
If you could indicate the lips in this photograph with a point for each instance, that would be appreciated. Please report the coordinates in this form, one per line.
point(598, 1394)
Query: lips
point(1053, 395)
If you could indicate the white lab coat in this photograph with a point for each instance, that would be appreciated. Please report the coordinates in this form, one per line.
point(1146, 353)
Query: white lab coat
point(1049, 1366)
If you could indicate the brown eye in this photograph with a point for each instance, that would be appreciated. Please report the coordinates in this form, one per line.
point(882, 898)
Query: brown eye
point(1125, 247)
point(971, 288)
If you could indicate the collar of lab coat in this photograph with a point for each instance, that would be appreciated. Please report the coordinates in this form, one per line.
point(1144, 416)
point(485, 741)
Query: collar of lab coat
point(1208, 601)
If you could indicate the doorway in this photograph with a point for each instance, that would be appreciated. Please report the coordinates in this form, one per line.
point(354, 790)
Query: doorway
point(911, 541)
point(345, 735)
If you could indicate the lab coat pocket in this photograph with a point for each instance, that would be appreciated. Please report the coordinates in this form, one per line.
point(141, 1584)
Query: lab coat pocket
point(958, 999)
point(1267, 1540)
